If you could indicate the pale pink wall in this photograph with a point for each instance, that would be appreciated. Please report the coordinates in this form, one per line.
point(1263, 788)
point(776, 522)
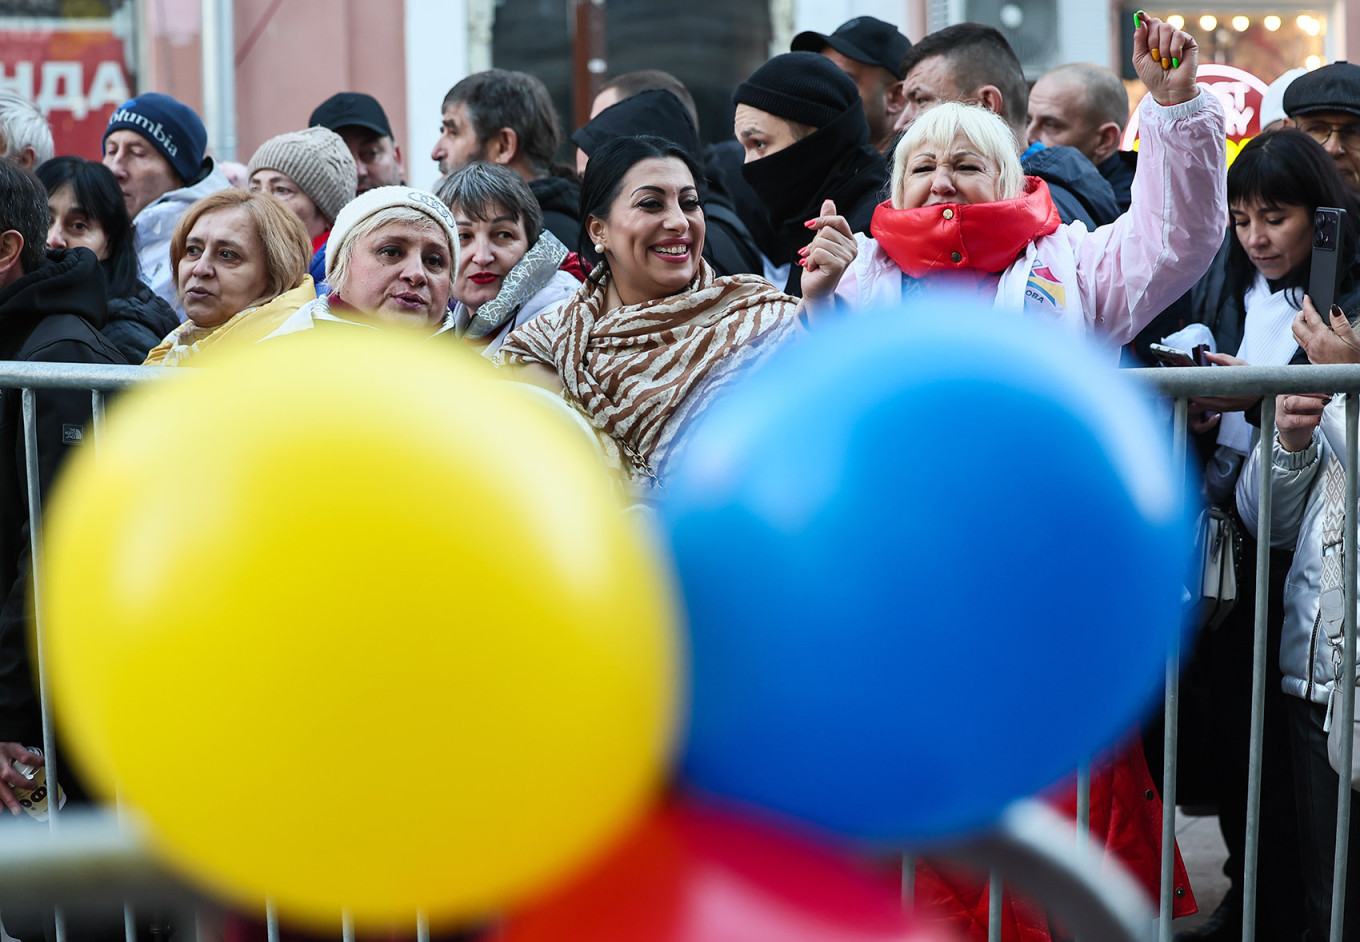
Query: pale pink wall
point(302, 52)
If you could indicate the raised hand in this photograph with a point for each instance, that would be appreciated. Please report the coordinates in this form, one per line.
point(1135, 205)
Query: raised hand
point(828, 255)
point(1169, 74)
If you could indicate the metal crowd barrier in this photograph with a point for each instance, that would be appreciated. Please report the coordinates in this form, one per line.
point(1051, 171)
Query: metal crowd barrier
point(99, 857)
point(1181, 384)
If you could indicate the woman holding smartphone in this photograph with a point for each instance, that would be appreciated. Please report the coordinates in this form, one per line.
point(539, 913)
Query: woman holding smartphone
point(1251, 298)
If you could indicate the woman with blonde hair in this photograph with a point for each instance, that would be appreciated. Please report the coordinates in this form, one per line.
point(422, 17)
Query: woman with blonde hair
point(963, 214)
point(240, 261)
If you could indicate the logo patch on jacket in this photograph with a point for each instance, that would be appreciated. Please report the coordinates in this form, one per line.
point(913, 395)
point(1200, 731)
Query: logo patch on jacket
point(1044, 291)
point(72, 434)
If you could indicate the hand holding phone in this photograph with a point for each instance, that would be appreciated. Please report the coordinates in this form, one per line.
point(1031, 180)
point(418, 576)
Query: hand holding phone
point(1173, 356)
point(1326, 269)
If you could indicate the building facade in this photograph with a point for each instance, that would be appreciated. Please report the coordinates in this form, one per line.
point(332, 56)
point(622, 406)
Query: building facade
point(269, 62)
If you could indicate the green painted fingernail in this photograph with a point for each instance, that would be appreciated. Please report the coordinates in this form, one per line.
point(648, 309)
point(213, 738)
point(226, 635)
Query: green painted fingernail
point(1175, 63)
point(1137, 18)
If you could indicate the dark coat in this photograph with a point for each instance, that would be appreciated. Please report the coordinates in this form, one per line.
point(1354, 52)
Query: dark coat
point(53, 315)
point(1079, 191)
point(137, 322)
point(1118, 170)
point(560, 199)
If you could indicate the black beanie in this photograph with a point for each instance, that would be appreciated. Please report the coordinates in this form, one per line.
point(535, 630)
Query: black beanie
point(804, 87)
point(656, 111)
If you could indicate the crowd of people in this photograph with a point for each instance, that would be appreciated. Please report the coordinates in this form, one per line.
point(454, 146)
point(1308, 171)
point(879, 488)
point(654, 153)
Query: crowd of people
point(862, 170)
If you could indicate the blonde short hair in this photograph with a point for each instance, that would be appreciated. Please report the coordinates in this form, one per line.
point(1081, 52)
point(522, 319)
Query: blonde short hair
point(938, 127)
point(287, 247)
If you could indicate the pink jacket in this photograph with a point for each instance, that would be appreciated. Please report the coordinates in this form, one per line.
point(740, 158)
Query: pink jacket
point(1108, 284)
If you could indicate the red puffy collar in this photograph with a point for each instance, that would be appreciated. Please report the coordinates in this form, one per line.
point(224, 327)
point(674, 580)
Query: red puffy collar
point(976, 239)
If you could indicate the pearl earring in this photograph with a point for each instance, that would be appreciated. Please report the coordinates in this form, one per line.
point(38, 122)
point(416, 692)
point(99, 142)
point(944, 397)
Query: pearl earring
point(599, 248)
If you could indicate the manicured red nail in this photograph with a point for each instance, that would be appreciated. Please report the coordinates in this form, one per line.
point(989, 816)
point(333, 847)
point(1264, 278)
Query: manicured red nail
point(810, 224)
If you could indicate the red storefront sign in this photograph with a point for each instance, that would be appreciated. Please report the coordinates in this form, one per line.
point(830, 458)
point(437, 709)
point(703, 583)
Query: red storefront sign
point(74, 70)
point(1241, 94)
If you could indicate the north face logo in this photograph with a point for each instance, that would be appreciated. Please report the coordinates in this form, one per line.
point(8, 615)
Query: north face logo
point(72, 435)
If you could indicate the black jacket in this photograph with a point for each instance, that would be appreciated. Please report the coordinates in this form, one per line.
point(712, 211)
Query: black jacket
point(722, 166)
point(1118, 170)
point(137, 322)
point(559, 198)
point(1079, 191)
point(53, 314)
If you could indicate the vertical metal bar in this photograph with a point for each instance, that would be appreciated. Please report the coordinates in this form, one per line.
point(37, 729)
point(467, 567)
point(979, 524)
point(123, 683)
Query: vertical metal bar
point(97, 416)
point(347, 926)
point(30, 412)
point(35, 566)
point(129, 913)
point(422, 927)
point(1171, 720)
point(200, 930)
point(1084, 802)
point(994, 908)
point(1347, 717)
point(1251, 852)
point(908, 882)
point(271, 920)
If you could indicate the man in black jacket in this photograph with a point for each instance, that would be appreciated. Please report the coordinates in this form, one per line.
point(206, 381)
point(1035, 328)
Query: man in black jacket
point(508, 118)
point(51, 308)
point(973, 63)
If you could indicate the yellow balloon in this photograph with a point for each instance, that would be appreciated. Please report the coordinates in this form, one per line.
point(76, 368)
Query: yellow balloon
point(358, 626)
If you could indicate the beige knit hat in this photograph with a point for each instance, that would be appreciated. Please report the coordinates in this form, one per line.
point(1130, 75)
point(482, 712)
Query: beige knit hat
point(318, 161)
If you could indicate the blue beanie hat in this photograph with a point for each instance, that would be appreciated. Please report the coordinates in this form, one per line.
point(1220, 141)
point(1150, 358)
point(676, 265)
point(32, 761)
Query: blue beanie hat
point(170, 126)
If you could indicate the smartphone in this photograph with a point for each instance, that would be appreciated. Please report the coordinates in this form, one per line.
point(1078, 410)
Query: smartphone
point(1324, 278)
point(1172, 356)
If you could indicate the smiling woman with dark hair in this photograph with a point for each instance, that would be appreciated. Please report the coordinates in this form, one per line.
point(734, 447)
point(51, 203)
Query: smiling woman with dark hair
point(88, 210)
point(654, 335)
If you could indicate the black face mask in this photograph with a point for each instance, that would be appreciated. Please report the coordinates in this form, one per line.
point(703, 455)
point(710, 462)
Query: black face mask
point(790, 181)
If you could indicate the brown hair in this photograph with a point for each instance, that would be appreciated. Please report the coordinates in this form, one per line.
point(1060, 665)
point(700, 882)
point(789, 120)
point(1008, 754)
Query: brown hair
point(287, 248)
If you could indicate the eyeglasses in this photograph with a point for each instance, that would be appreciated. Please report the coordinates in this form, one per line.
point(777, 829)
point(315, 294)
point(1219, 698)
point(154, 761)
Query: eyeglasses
point(1347, 135)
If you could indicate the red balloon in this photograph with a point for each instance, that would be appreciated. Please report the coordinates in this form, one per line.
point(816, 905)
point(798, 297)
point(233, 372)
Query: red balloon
point(696, 874)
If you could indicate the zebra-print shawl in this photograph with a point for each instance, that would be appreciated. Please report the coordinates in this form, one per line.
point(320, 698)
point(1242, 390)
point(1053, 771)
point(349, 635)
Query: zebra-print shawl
point(641, 372)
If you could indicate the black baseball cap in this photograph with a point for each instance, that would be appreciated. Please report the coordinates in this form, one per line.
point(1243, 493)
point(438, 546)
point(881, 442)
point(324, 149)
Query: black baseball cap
point(1334, 87)
point(864, 39)
point(349, 110)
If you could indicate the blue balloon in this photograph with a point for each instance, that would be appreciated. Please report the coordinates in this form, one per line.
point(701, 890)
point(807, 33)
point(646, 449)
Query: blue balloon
point(929, 568)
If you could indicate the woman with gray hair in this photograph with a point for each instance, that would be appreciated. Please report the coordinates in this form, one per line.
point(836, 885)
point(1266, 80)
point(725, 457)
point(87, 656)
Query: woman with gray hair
point(509, 266)
point(391, 262)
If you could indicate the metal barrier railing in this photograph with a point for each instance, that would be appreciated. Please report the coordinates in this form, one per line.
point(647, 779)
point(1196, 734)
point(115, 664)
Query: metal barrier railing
point(113, 857)
point(1181, 384)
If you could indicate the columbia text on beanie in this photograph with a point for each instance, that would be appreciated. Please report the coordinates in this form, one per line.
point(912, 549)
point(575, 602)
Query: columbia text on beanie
point(317, 160)
point(803, 87)
point(173, 128)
